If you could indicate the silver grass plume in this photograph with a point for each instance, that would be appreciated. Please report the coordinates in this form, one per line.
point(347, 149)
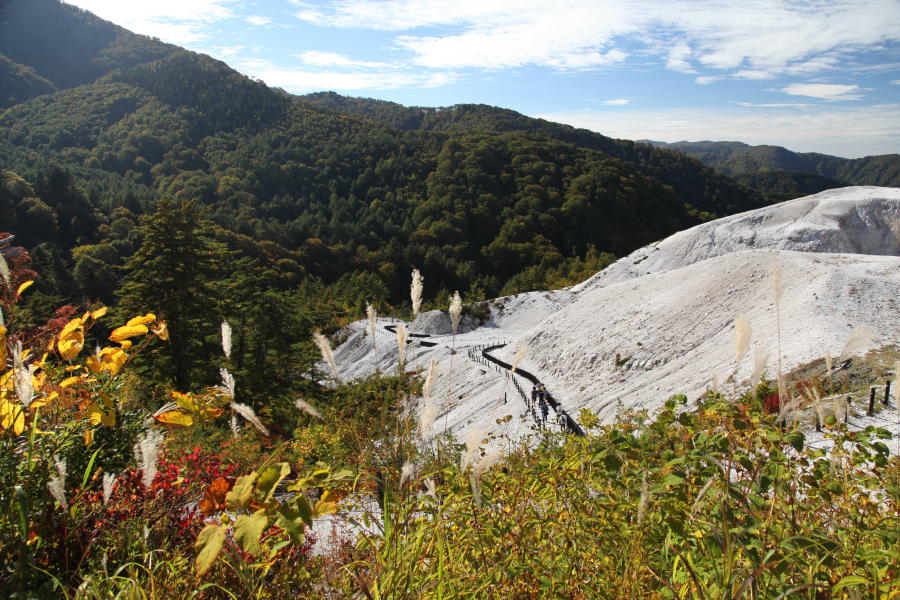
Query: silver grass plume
point(415, 292)
point(490, 458)
point(372, 315)
point(146, 452)
point(760, 358)
point(226, 339)
point(519, 356)
point(227, 382)
point(22, 376)
point(307, 408)
point(57, 484)
point(742, 331)
point(235, 427)
point(642, 503)
point(430, 487)
point(109, 481)
point(473, 441)
point(858, 341)
point(407, 472)
point(429, 408)
point(2, 320)
point(4, 270)
point(247, 412)
point(325, 348)
point(401, 344)
point(817, 401)
point(777, 289)
point(829, 363)
point(455, 312)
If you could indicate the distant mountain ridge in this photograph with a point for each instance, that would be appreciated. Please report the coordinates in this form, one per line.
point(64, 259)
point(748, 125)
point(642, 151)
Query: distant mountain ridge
point(740, 159)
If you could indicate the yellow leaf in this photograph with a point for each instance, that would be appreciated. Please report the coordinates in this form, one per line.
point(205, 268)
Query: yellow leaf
point(71, 339)
point(108, 418)
point(12, 416)
point(99, 313)
point(126, 344)
point(210, 543)
point(88, 437)
point(148, 318)
point(185, 401)
point(127, 331)
point(93, 363)
point(112, 360)
point(175, 418)
point(24, 287)
point(70, 381)
point(95, 414)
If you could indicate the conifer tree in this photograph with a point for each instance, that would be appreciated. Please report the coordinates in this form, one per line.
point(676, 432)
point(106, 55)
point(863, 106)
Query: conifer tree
point(174, 274)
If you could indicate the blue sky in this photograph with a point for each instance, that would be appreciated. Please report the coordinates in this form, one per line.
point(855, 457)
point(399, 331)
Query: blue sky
point(810, 75)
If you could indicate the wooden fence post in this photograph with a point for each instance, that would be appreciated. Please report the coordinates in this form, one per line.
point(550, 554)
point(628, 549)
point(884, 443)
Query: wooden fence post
point(871, 410)
point(887, 391)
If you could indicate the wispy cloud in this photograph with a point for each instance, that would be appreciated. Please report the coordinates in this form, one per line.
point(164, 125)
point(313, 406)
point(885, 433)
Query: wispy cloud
point(258, 20)
point(176, 21)
point(333, 59)
point(895, 82)
point(301, 80)
point(758, 39)
point(616, 102)
point(773, 104)
point(825, 91)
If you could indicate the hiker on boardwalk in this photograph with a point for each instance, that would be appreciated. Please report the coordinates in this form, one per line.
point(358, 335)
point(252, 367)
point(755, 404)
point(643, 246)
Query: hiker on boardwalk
point(534, 394)
point(544, 408)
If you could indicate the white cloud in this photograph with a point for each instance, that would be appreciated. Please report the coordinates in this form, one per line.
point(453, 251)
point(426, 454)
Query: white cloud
point(834, 129)
point(175, 21)
point(825, 91)
point(310, 80)
point(258, 20)
point(772, 104)
point(750, 39)
point(616, 102)
point(895, 82)
point(317, 58)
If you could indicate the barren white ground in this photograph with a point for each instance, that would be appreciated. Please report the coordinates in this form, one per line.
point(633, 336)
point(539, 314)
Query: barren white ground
point(669, 309)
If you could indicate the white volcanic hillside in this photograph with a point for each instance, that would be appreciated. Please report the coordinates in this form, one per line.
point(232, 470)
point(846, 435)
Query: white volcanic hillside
point(667, 311)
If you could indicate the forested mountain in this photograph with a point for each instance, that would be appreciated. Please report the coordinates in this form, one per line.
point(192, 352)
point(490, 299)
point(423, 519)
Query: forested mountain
point(321, 190)
point(739, 159)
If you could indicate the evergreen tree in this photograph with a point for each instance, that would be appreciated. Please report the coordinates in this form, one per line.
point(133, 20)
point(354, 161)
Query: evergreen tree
point(174, 274)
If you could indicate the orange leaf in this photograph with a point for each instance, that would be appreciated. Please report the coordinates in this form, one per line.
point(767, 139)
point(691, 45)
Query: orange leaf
point(127, 331)
point(214, 497)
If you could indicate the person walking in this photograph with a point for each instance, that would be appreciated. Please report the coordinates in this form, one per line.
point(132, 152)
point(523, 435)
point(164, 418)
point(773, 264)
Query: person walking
point(544, 409)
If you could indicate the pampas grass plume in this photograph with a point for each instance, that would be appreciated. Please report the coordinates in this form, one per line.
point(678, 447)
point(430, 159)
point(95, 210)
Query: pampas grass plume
point(146, 452)
point(307, 408)
point(473, 441)
point(429, 408)
point(228, 385)
point(455, 311)
point(401, 344)
point(760, 358)
point(109, 482)
point(247, 412)
point(519, 356)
point(325, 348)
point(57, 485)
point(372, 315)
point(226, 339)
point(407, 472)
point(742, 332)
point(858, 341)
point(415, 292)
point(4, 270)
point(235, 427)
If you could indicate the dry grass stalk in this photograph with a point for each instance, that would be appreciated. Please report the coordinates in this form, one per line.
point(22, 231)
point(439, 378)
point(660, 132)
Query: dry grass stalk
point(146, 452)
point(228, 385)
point(415, 292)
point(859, 341)
point(473, 440)
point(402, 334)
point(247, 412)
point(455, 312)
point(226, 339)
point(429, 408)
point(109, 482)
point(520, 354)
point(760, 359)
point(642, 503)
point(742, 331)
point(325, 348)
point(57, 484)
point(372, 315)
point(307, 408)
point(778, 290)
point(4, 271)
point(407, 473)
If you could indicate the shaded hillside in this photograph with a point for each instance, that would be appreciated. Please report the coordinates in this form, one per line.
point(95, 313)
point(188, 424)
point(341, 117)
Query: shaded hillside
point(700, 187)
point(736, 158)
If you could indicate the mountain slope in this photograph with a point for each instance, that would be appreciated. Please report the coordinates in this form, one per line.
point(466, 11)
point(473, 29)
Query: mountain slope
point(698, 187)
point(736, 158)
point(660, 321)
